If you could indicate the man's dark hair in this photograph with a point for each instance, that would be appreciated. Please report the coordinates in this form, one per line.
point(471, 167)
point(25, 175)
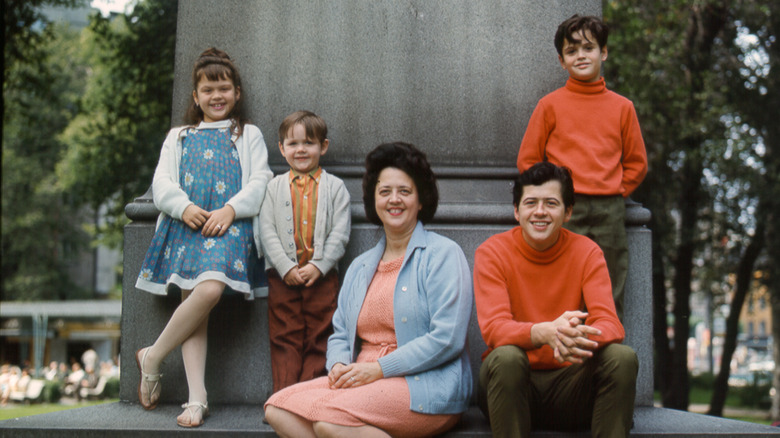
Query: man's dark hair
point(539, 174)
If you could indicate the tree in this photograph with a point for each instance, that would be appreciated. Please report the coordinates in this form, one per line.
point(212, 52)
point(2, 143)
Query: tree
point(679, 102)
point(42, 78)
point(114, 142)
point(84, 117)
point(758, 99)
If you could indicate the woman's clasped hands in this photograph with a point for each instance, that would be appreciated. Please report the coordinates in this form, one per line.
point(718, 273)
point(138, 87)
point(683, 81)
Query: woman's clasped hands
point(355, 374)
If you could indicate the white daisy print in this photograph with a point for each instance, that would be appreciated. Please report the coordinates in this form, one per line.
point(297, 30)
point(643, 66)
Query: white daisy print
point(222, 129)
point(180, 252)
point(234, 231)
point(146, 274)
point(220, 187)
point(168, 252)
point(235, 154)
point(209, 243)
point(188, 179)
point(184, 151)
point(238, 265)
point(209, 154)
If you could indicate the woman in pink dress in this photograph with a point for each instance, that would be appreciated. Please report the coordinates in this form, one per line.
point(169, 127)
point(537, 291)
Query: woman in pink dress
point(396, 360)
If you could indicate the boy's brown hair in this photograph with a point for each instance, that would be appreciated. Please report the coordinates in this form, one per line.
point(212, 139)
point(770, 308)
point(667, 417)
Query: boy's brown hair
point(576, 23)
point(313, 124)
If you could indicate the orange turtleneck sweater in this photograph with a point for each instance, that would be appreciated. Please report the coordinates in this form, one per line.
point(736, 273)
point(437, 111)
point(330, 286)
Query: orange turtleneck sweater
point(592, 131)
point(516, 286)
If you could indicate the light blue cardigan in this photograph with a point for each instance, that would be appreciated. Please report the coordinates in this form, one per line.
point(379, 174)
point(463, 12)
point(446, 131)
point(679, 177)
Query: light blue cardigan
point(432, 306)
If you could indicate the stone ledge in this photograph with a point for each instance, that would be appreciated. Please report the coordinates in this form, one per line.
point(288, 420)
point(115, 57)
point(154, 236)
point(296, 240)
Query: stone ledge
point(128, 420)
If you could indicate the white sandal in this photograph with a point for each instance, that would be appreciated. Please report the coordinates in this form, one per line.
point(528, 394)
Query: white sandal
point(148, 379)
point(190, 407)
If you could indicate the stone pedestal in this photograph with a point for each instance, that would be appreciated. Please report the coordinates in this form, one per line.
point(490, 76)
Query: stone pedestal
point(457, 78)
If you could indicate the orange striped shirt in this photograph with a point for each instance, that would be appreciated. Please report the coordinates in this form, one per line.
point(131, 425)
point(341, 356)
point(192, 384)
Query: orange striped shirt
point(303, 189)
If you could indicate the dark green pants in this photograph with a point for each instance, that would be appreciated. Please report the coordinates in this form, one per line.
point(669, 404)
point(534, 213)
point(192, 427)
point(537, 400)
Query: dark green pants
point(598, 393)
point(603, 219)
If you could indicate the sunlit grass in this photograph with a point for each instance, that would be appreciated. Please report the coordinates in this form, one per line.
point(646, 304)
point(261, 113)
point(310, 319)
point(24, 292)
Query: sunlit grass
point(17, 411)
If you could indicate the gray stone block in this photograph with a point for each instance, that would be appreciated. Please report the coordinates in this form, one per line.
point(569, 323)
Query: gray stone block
point(237, 367)
point(124, 420)
point(459, 78)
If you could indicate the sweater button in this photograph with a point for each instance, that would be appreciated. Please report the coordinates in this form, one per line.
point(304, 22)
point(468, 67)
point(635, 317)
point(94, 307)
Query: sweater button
point(420, 408)
point(290, 231)
point(403, 288)
point(289, 218)
point(287, 203)
point(403, 319)
point(416, 377)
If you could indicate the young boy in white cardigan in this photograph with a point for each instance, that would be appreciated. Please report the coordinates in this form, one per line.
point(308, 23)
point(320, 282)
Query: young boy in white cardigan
point(304, 228)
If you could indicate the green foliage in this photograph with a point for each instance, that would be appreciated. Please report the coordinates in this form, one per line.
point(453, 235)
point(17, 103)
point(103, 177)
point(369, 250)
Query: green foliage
point(85, 115)
point(52, 391)
point(112, 388)
point(756, 393)
point(41, 82)
point(680, 63)
point(114, 142)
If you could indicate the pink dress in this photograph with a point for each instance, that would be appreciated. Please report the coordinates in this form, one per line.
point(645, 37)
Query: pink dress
point(383, 403)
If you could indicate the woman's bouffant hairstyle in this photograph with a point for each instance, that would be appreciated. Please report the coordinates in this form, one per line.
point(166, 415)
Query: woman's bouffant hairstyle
point(412, 161)
point(541, 173)
point(214, 65)
point(597, 28)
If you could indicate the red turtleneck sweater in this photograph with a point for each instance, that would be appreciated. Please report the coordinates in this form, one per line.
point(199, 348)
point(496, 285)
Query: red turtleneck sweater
point(516, 286)
point(592, 131)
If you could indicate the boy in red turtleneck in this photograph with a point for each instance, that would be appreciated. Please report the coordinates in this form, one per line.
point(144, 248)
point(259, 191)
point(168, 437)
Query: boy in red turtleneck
point(595, 133)
point(544, 307)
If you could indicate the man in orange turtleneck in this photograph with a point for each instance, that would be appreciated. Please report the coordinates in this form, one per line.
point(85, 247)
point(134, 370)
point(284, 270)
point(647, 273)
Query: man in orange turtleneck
point(595, 133)
point(550, 362)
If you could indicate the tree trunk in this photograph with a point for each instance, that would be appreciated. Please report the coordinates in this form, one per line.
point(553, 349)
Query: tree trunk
point(744, 281)
point(705, 22)
point(688, 204)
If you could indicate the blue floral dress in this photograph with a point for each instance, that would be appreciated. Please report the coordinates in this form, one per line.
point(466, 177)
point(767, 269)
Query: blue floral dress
point(210, 174)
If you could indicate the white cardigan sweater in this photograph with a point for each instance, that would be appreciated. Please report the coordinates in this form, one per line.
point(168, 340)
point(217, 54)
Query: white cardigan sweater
point(169, 197)
point(331, 226)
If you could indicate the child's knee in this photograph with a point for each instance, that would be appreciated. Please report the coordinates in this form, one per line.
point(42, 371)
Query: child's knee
point(209, 291)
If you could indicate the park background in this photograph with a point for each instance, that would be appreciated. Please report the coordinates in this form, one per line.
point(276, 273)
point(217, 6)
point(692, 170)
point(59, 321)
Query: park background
point(87, 104)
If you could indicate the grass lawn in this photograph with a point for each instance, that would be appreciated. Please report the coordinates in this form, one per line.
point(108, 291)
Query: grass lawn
point(18, 410)
point(700, 396)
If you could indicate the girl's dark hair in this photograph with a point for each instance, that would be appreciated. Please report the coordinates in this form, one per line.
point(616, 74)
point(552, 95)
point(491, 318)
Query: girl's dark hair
point(412, 161)
point(214, 64)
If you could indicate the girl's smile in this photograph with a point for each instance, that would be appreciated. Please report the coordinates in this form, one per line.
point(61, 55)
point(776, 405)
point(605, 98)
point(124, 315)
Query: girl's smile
point(216, 98)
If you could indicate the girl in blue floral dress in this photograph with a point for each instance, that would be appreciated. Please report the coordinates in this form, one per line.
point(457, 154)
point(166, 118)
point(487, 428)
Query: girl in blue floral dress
point(208, 185)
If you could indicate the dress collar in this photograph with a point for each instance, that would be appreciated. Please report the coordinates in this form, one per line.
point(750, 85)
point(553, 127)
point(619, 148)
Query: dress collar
point(215, 125)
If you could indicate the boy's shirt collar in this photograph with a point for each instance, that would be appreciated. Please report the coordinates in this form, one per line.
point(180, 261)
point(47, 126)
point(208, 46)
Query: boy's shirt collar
point(314, 174)
point(581, 87)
